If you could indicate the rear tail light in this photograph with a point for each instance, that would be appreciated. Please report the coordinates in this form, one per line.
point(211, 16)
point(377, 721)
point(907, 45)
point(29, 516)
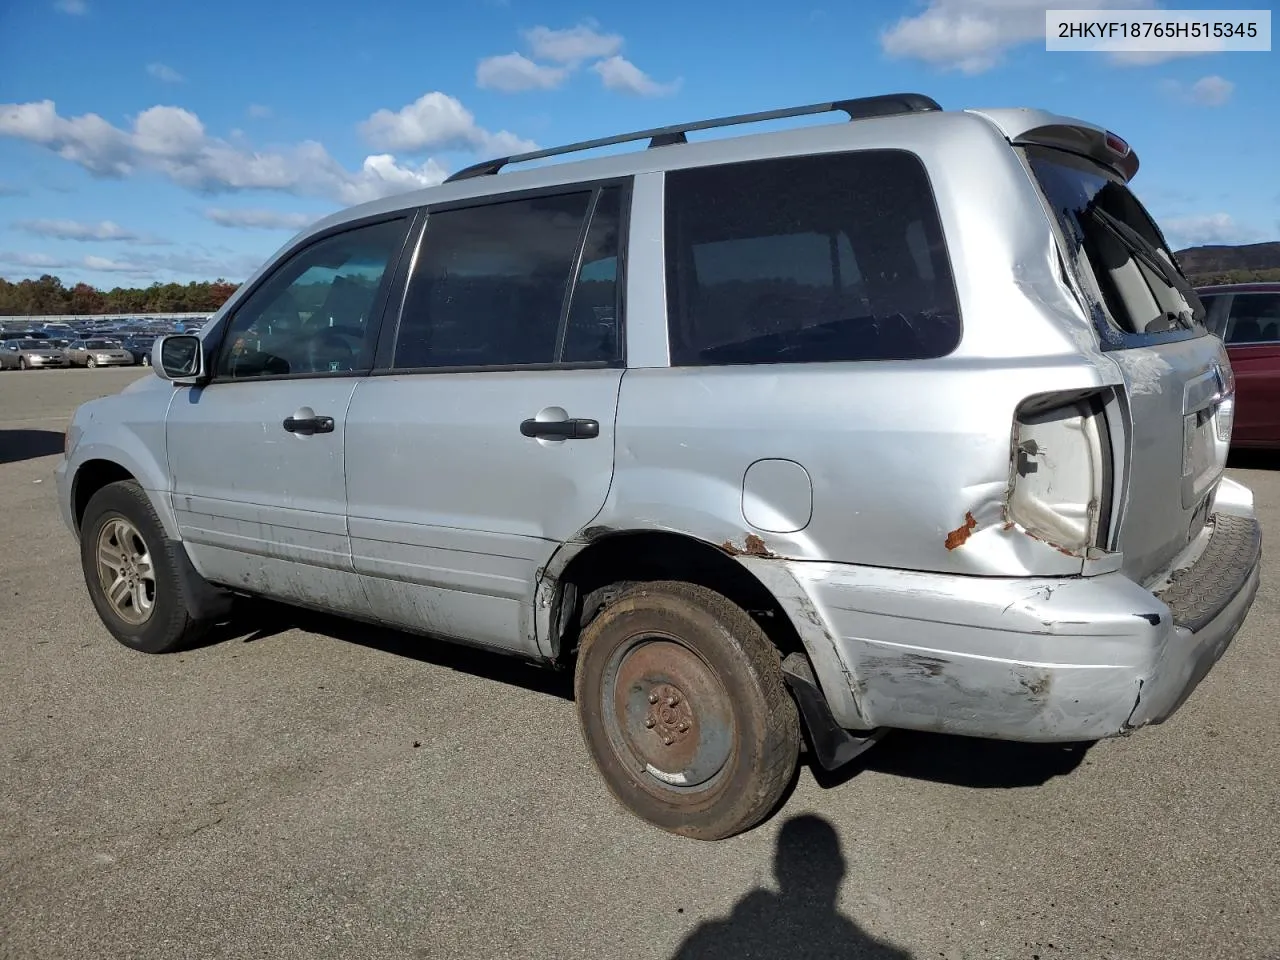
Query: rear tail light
point(1226, 413)
point(1062, 472)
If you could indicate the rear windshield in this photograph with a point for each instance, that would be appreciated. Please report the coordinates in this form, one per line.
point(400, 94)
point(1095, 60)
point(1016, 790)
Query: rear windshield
point(1111, 234)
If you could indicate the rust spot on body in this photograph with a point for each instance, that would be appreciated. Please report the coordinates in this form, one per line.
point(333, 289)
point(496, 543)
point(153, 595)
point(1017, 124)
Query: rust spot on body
point(958, 536)
point(752, 546)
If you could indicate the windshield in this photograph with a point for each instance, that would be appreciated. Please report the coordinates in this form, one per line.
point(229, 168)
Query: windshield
point(99, 345)
point(1107, 227)
point(32, 345)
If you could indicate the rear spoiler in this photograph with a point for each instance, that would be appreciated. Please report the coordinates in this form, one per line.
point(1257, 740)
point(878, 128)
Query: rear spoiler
point(1022, 126)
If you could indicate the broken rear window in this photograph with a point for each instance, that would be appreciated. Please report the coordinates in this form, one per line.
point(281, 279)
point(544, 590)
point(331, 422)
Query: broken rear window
point(1111, 235)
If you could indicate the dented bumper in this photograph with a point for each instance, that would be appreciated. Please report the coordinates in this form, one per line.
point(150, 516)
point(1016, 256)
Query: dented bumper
point(1033, 659)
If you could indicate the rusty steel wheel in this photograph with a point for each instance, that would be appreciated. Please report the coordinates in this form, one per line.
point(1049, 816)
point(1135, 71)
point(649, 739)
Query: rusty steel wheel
point(684, 710)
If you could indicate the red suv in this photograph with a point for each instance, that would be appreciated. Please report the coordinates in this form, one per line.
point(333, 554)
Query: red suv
point(1247, 317)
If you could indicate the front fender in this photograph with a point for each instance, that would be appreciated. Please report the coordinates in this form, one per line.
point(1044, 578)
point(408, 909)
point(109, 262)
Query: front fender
point(127, 430)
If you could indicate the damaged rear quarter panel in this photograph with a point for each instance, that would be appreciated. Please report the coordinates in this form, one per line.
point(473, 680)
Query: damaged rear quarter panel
point(918, 486)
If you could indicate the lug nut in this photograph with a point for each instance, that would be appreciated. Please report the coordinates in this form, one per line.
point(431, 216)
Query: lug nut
point(672, 700)
point(684, 725)
point(653, 698)
point(667, 741)
point(648, 722)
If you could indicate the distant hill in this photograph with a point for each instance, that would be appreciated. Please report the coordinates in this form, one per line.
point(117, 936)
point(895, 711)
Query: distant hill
point(1231, 264)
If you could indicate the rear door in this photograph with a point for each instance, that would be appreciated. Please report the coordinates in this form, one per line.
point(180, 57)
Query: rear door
point(257, 455)
point(1150, 322)
point(486, 439)
point(1252, 334)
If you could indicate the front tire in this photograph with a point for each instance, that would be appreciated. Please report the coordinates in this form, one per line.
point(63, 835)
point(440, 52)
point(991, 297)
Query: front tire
point(22, 363)
point(91, 363)
point(684, 710)
point(131, 572)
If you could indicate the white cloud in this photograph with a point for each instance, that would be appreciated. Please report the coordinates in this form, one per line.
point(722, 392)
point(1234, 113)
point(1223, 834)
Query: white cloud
point(1208, 228)
point(165, 73)
point(77, 230)
point(972, 35)
point(259, 219)
point(1210, 91)
point(173, 143)
point(514, 72)
point(574, 45)
point(42, 261)
point(623, 76)
point(437, 121)
point(189, 265)
point(77, 8)
point(259, 111)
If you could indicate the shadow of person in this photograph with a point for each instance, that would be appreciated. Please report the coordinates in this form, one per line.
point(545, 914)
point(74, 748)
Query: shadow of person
point(800, 920)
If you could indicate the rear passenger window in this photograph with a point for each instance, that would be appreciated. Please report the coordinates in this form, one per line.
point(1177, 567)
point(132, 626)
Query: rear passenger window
point(1254, 318)
point(490, 283)
point(806, 259)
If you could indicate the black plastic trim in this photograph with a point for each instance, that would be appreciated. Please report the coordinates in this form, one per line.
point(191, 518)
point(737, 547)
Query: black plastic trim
point(833, 746)
point(1203, 590)
point(203, 600)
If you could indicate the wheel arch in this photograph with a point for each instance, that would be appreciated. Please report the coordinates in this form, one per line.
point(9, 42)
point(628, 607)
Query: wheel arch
point(98, 465)
point(575, 584)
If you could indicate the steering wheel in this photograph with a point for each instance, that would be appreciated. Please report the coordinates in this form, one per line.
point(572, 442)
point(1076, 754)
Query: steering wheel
point(327, 347)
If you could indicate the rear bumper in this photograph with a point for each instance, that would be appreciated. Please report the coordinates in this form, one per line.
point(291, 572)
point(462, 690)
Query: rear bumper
point(1033, 659)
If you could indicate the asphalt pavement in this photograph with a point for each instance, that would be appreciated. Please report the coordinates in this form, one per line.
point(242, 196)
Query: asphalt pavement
point(312, 788)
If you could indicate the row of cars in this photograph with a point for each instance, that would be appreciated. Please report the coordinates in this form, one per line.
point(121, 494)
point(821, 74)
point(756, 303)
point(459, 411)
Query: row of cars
point(113, 343)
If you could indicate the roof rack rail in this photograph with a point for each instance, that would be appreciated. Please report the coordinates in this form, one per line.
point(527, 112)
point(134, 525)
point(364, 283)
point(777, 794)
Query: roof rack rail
point(860, 108)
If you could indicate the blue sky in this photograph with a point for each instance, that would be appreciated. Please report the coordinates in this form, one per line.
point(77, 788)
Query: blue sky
point(144, 141)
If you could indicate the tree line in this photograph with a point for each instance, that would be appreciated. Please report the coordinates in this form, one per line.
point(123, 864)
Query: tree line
point(49, 296)
point(1212, 278)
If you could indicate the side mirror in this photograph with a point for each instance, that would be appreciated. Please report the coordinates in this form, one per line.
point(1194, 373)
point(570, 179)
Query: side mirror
point(179, 358)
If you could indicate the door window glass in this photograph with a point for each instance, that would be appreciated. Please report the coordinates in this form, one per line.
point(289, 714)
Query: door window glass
point(315, 314)
point(489, 285)
point(1254, 318)
point(592, 333)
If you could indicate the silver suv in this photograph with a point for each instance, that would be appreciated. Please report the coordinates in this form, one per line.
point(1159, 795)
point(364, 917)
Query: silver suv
point(778, 441)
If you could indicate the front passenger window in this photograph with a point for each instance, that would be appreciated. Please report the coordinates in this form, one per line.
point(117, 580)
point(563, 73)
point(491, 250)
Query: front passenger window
point(315, 314)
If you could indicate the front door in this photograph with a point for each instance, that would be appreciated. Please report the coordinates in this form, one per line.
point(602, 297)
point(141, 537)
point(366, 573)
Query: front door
point(489, 440)
point(257, 456)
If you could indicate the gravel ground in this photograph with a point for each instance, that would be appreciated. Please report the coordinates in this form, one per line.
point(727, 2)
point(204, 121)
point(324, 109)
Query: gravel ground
point(312, 788)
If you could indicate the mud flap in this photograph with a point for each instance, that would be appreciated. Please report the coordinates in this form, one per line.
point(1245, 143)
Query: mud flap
point(833, 746)
point(204, 601)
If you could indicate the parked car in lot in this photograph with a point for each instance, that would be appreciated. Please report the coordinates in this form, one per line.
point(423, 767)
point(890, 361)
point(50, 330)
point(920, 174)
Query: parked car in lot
point(30, 354)
point(98, 352)
point(907, 422)
point(1247, 317)
point(139, 347)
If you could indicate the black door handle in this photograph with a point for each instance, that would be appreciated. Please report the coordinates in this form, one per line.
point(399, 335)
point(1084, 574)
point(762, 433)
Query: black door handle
point(309, 425)
point(577, 429)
